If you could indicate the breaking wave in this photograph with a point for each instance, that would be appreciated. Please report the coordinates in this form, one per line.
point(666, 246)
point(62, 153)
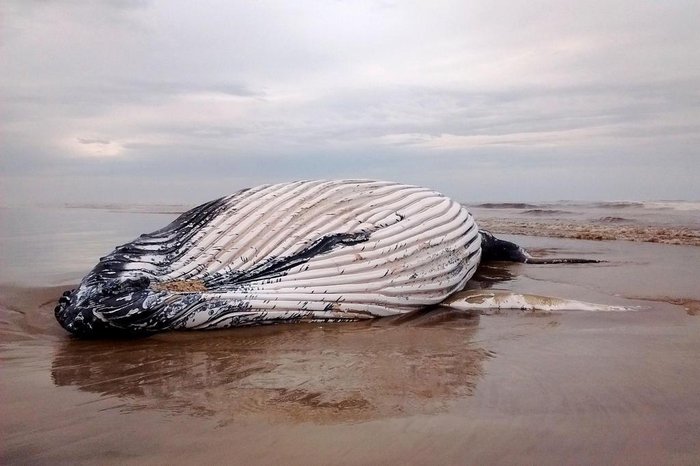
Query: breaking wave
point(617, 204)
point(615, 220)
point(542, 212)
point(507, 205)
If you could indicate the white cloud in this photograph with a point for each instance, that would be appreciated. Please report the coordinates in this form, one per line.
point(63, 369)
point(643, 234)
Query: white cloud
point(121, 83)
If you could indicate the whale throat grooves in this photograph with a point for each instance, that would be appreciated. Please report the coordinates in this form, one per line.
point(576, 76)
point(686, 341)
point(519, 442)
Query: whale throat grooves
point(326, 250)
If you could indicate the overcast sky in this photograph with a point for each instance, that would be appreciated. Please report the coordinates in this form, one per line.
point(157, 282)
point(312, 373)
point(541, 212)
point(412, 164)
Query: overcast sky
point(182, 101)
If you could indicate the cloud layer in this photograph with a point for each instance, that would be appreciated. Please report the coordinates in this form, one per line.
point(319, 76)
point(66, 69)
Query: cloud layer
point(495, 100)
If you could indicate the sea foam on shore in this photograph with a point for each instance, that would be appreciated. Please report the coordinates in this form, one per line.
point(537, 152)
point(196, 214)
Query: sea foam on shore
point(668, 222)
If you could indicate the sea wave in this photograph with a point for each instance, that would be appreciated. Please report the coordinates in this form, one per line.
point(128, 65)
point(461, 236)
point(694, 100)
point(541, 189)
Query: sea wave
point(538, 212)
point(508, 205)
point(617, 204)
point(615, 220)
point(673, 205)
point(676, 205)
point(651, 205)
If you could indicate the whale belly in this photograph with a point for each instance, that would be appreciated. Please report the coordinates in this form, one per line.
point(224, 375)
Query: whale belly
point(306, 250)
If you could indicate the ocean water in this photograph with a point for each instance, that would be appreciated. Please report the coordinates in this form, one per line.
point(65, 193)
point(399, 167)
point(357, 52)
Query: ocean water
point(57, 246)
point(432, 387)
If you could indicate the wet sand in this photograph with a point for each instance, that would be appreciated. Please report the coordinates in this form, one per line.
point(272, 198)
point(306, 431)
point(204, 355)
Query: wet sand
point(434, 387)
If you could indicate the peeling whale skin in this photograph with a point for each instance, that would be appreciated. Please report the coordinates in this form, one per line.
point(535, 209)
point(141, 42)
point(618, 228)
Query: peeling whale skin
point(335, 250)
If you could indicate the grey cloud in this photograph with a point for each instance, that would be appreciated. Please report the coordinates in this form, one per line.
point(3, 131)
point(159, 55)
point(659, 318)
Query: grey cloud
point(254, 91)
point(92, 141)
point(90, 98)
point(626, 110)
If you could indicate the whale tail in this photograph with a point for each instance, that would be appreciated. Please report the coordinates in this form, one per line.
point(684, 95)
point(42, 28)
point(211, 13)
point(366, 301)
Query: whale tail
point(494, 249)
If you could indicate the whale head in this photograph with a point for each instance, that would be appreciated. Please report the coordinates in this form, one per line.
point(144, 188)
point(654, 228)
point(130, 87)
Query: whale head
point(99, 307)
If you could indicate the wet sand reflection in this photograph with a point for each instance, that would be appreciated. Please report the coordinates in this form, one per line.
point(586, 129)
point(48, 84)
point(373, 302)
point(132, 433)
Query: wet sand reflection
point(492, 274)
point(411, 364)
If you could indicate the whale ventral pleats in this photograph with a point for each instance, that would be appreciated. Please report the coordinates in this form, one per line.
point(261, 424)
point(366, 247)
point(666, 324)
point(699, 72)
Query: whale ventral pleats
point(322, 250)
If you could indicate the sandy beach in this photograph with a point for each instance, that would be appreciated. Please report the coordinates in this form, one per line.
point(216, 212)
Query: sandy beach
point(434, 387)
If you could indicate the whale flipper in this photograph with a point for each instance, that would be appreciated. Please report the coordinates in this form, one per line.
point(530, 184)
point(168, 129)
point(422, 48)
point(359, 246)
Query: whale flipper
point(496, 300)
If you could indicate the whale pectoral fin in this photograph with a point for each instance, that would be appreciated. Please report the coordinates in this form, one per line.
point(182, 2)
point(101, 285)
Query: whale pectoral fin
point(494, 300)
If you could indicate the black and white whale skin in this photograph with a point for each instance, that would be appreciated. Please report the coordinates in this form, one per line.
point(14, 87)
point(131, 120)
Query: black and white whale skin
point(337, 250)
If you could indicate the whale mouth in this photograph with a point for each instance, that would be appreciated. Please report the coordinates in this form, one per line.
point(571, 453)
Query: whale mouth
point(80, 311)
point(78, 320)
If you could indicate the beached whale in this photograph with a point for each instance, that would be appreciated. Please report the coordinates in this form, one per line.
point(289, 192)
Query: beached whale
point(337, 250)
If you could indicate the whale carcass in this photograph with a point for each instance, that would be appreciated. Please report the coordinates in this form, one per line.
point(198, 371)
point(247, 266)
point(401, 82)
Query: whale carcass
point(328, 250)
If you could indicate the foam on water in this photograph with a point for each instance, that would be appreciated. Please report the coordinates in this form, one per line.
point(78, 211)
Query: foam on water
point(669, 222)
